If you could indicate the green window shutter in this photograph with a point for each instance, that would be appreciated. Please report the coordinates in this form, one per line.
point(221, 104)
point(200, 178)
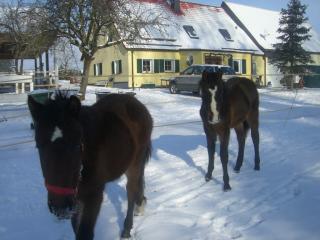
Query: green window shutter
point(244, 66)
point(230, 61)
point(161, 65)
point(112, 67)
point(94, 70)
point(100, 73)
point(120, 67)
point(156, 65)
point(139, 65)
point(177, 66)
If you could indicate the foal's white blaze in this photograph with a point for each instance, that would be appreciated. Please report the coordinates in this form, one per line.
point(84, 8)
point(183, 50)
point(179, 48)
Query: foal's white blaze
point(57, 133)
point(213, 106)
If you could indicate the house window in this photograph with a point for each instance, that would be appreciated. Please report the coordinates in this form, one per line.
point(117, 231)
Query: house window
point(168, 65)
point(97, 68)
point(225, 33)
point(254, 68)
point(237, 66)
point(116, 67)
point(240, 66)
point(190, 31)
point(147, 66)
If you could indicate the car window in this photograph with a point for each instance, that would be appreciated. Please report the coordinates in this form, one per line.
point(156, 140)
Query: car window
point(210, 69)
point(198, 70)
point(188, 71)
point(227, 70)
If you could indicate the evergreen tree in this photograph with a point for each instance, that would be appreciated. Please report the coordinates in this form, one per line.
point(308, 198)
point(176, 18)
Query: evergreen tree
point(289, 55)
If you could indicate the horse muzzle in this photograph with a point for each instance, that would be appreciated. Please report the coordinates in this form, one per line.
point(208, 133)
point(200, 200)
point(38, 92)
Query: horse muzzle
point(62, 206)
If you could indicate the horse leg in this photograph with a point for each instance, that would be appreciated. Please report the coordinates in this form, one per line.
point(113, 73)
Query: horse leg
point(141, 200)
point(132, 193)
point(255, 139)
point(241, 132)
point(211, 148)
point(88, 211)
point(254, 124)
point(224, 142)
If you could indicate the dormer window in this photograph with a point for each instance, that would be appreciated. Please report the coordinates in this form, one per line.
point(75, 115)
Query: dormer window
point(190, 31)
point(225, 34)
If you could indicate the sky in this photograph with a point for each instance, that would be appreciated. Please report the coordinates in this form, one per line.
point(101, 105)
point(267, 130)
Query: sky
point(312, 10)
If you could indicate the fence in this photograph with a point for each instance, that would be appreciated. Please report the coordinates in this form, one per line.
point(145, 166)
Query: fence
point(162, 80)
point(176, 123)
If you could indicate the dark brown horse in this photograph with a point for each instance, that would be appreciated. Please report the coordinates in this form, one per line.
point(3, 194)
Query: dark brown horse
point(83, 147)
point(225, 105)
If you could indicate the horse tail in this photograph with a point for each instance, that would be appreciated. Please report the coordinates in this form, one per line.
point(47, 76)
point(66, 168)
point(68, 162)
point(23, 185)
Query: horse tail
point(147, 153)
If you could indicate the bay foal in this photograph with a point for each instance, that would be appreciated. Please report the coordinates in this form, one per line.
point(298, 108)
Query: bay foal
point(81, 148)
point(225, 105)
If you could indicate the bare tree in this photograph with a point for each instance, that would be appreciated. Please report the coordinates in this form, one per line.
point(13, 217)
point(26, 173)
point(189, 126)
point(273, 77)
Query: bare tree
point(29, 36)
point(12, 22)
point(67, 60)
point(91, 25)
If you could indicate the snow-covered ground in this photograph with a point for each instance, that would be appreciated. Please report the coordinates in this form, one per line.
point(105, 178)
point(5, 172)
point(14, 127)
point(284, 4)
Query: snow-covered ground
point(279, 202)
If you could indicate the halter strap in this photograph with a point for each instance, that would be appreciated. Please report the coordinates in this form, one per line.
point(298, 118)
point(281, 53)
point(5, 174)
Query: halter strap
point(60, 190)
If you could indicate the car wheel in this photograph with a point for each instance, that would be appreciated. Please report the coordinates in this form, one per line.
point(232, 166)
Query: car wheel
point(173, 88)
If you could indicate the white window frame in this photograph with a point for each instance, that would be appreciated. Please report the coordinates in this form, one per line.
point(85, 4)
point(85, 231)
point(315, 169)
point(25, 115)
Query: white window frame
point(97, 72)
point(172, 63)
point(239, 65)
point(151, 66)
point(116, 65)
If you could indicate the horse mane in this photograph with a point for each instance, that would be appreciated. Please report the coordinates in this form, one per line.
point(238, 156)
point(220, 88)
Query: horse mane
point(59, 101)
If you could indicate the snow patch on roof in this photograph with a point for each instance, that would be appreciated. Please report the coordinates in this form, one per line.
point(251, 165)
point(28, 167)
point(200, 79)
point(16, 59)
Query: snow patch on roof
point(205, 21)
point(263, 25)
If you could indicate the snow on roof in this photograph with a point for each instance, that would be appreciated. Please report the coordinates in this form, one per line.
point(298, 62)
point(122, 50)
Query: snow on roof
point(196, 27)
point(263, 25)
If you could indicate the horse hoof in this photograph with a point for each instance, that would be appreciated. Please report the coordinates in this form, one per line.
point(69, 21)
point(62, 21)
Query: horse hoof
point(125, 234)
point(139, 210)
point(226, 188)
point(236, 169)
point(208, 178)
point(257, 168)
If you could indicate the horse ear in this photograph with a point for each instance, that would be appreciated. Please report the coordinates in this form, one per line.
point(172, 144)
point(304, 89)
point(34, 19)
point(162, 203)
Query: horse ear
point(205, 75)
point(35, 108)
point(74, 105)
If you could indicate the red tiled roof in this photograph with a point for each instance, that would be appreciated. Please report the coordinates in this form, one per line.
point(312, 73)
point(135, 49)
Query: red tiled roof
point(184, 5)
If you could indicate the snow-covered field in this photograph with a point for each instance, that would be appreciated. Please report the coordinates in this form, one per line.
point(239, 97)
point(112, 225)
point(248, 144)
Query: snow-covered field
point(282, 201)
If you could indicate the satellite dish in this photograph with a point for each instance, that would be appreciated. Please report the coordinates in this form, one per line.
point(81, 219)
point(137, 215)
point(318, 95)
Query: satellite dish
point(189, 60)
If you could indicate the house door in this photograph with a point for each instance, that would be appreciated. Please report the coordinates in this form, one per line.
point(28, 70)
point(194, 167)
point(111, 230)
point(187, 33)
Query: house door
point(209, 59)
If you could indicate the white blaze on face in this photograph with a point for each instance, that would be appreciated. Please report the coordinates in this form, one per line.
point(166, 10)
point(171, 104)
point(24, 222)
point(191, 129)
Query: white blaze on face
point(213, 106)
point(57, 133)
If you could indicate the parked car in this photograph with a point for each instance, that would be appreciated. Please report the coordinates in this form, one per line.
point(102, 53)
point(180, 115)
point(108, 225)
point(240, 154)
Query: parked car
point(188, 80)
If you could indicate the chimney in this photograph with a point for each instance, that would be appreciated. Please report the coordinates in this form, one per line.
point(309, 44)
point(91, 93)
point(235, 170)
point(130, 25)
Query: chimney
point(175, 5)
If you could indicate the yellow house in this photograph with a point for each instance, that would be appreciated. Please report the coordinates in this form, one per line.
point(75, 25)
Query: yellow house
point(201, 34)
